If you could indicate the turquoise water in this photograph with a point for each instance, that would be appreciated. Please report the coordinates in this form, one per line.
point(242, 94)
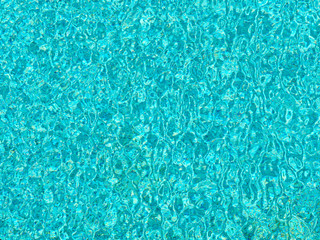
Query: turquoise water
point(156, 119)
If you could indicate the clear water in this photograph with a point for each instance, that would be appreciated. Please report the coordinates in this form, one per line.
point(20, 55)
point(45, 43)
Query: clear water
point(156, 119)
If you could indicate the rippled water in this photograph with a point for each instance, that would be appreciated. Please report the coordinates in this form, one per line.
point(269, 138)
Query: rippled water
point(124, 119)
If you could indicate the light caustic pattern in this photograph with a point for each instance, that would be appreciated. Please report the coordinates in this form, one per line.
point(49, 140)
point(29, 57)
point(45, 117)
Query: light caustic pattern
point(157, 119)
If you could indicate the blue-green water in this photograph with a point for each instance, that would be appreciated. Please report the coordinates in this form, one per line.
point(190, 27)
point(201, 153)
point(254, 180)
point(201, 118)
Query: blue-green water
point(123, 119)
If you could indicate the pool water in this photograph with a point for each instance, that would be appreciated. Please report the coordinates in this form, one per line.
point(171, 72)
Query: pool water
point(159, 119)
